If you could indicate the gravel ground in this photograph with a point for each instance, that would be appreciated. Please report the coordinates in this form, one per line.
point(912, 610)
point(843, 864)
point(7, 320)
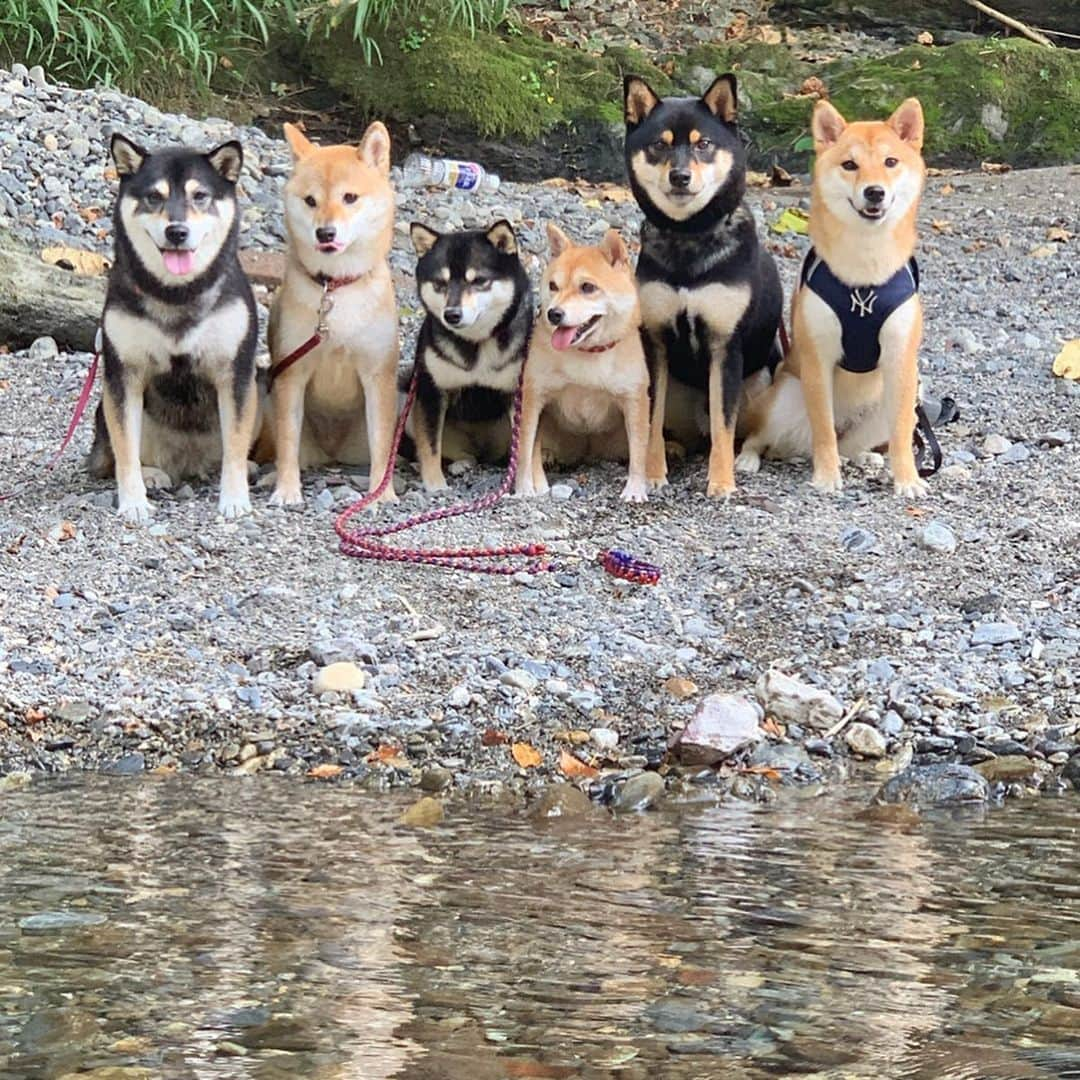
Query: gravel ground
point(946, 631)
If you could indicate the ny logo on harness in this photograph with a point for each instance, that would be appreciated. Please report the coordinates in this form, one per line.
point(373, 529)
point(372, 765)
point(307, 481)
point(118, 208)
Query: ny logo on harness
point(863, 301)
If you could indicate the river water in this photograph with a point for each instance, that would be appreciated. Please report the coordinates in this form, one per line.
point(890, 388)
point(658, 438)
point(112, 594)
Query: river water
point(260, 928)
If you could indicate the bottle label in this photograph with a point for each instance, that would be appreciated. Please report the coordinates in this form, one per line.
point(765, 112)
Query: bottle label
point(464, 175)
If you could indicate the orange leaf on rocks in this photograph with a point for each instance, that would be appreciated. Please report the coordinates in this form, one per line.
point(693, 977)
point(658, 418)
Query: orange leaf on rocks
point(82, 262)
point(574, 767)
point(771, 727)
point(491, 737)
point(680, 688)
point(995, 168)
point(526, 756)
point(1058, 234)
point(325, 771)
point(762, 770)
point(35, 716)
point(946, 189)
point(385, 755)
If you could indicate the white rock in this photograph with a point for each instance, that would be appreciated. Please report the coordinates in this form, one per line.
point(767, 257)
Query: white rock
point(995, 444)
point(722, 725)
point(520, 680)
point(604, 737)
point(864, 740)
point(340, 677)
point(794, 702)
point(938, 537)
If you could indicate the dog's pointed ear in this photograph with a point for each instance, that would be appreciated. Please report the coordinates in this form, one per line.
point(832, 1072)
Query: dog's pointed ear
point(722, 98)
point(908, 123)
point(423, 239)
point(299, 143)
point(375, 147)
point(501, 235)
point(826, 125)
point(127, 157)
point(638, 99)
point(614, 249)
point(558, 241)
point(227, 159)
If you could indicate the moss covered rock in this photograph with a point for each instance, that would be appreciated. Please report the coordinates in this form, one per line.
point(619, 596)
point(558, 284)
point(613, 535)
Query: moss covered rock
point(1011, 101)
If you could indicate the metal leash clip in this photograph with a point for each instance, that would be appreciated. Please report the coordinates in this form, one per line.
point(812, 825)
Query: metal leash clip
point(326, 305)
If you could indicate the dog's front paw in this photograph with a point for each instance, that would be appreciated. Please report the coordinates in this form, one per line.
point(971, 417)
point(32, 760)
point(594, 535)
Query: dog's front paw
point(748, 461)
point(720, 489)
point(828, 483)
point(436, 484)
point(234, 505)
point(388, 496)
point(156, 479)
point(915, 488)
point(134, 510)
point(636, 490)
point(287, 495)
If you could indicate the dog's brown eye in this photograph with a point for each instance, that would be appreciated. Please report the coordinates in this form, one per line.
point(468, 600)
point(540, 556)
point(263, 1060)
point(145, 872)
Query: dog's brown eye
point(891, 162)
point(704, 144)
point(349, 197)
point(552, 286)
point(849, 165)
point(660, 146)
point(153, 198)
point(480, 282)
point(309, 199)
point(201, 198)
point(588, 287)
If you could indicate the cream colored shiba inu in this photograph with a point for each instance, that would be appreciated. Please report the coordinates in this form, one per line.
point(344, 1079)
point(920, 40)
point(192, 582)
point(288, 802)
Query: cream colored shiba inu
point(851, 381)
point(339, 402)
point(586, 386)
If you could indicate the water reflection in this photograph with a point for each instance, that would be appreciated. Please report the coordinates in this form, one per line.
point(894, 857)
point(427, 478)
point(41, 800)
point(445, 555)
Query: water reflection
point(268, 930)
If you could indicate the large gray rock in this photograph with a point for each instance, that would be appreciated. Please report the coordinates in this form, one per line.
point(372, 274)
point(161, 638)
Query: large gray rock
point(794, 702)
point(935, 785)
point(722, 725)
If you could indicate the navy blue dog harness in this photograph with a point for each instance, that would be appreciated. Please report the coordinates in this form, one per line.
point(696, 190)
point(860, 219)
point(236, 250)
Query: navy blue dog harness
point(862, 310)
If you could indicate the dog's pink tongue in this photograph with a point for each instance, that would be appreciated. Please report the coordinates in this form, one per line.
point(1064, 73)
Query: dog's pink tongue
point(179, 262)
point(563, 336)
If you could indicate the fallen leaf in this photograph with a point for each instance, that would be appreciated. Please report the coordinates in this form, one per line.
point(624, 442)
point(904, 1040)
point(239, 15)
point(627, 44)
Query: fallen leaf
point(525, 755)
point(915, 511)
point(680, 688)
point(792, 220)
point(491, 737)
point(941, 226)
point(574, 767)
point(1067, 362)
point(1043, 251)
point(163, 770)
point(925, 38)
point(995, 168)
point(387, 755)
point(35, 716)
point(757, 179)
point(90, 214)
point(325, 771)
point(781, 177)
point(762, 770)
point(88, 263)
point(946, 189)
point(813, 87)
point(1057, 233)
point(67, 531)
point(771, 727)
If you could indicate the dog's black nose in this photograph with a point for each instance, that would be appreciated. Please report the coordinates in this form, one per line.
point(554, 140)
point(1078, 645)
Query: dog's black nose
point(452, 315)
point(556, 315)
point(176, 234)
point(874, 194)
point(325, 234)
point(680, 178)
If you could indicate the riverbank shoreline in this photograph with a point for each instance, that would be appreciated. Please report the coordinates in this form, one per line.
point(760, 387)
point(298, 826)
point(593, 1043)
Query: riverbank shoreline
point(945, 631)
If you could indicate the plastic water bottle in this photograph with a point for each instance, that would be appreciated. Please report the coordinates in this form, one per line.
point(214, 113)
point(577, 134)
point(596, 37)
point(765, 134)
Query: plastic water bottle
point(419, 170)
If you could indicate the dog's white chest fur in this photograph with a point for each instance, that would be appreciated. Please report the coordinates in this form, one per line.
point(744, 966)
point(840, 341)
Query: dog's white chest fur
point(210, 342)
point(720, 307)
point(491, 370)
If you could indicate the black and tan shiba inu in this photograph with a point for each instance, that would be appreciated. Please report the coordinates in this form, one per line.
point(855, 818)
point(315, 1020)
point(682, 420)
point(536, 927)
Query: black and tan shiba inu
point(851, 381)
point(710, 294)
point(586, 387)
point(472, 344)
point(179, 329)
point(339, 402)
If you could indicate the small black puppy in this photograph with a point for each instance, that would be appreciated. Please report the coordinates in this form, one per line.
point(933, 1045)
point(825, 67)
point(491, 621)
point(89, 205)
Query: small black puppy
point(471, 346)
point(711, 298)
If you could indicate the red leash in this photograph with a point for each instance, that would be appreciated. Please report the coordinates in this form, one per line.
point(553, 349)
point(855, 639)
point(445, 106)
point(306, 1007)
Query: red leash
point(366, 542)
point(76, 416)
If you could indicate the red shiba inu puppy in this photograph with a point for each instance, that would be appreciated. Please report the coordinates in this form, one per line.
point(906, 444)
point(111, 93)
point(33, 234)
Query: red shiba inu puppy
point(851, 381)
point(586, 388)
point(339, 401)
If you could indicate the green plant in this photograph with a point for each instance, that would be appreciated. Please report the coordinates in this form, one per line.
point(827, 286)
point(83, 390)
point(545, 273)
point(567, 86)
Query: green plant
point(124, 41)
point(367, 18)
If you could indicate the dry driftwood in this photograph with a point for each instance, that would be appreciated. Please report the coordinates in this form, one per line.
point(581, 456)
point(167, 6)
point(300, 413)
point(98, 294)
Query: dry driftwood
point(1013, 24)
point(38, 300)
